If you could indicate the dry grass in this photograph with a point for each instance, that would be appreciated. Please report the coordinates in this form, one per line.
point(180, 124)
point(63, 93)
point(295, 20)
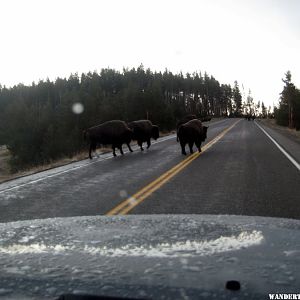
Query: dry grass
point(5, 173)
point(162, 134)
point(292, 132)
point(4, 165)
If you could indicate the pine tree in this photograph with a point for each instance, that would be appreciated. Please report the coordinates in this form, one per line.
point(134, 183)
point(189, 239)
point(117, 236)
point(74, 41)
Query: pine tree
point(237, 99)
point(287, 97)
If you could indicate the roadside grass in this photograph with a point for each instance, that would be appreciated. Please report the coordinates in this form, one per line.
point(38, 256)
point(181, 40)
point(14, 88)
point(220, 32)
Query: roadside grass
point(6, 174)
point(283, 129)
point(4, 163)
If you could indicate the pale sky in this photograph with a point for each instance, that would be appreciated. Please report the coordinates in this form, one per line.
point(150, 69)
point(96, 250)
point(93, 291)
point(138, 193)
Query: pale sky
point(252, 41)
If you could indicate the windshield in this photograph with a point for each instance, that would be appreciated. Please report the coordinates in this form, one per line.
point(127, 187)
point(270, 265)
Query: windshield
point(147, 114)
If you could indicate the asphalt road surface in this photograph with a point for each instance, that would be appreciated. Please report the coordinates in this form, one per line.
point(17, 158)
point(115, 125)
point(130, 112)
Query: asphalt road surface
point(240, 171)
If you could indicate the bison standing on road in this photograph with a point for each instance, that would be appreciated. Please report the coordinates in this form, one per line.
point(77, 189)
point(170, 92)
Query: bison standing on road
point(249, 117)
point(190, 133)
point(143, 131)
point(184, 120)
point(115, 133)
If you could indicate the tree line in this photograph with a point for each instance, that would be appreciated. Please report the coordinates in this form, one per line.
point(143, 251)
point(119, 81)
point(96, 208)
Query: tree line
point(38, 125)
point(288, 111)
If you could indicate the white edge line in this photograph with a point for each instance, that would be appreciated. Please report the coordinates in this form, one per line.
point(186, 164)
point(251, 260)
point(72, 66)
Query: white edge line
point(85, 165)
point(291, 159)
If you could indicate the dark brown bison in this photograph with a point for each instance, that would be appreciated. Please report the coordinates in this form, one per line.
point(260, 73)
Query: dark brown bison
point(190, 133)
point(184, 120)
point(249, 117)
point(143, 131)
point(114, 133)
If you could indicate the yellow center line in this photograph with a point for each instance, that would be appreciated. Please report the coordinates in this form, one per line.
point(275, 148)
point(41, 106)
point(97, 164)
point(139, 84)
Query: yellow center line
point(147, 187)
point(128, 204)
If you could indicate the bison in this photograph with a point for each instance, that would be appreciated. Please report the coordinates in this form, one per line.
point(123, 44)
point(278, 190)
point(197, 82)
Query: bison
point(190, 133)
point(113, 133)
point(184, 120)
point(143, 131)
point(249, 117)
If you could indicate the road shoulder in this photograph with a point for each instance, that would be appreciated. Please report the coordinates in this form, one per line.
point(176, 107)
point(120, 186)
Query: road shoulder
point(285, 137)
point(289, 133)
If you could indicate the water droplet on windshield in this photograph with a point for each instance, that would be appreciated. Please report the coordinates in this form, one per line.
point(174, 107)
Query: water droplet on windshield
point(132, 200)
point(123, 194)
point(77, 108)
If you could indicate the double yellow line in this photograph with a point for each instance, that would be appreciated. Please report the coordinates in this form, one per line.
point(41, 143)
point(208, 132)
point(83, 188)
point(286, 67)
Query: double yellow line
point(127, 205)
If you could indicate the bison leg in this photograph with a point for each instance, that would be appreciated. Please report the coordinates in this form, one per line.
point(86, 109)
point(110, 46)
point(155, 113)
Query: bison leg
point(129, 147)
point(183, 148)
point(90, 152)
point(121, 150)
point(148, 143)
point(198, 145)
point(191, 147)
point(141, 145)
point(114, 150)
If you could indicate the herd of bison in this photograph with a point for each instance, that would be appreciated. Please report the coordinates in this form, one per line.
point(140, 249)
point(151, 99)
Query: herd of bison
point(116, 133)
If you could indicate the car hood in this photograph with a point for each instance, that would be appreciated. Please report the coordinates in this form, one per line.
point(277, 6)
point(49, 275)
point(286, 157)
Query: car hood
point(150, 256)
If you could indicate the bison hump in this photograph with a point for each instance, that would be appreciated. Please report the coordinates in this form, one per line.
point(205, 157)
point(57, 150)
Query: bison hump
point(109, 128)
point(143, 125)
point(195, 123)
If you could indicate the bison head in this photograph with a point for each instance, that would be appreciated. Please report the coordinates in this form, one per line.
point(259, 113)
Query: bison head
point(204, 133)
point(155, 132)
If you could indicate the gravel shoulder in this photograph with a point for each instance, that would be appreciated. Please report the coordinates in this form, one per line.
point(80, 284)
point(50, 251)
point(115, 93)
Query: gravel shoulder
point(289, 133)
point(287, 138)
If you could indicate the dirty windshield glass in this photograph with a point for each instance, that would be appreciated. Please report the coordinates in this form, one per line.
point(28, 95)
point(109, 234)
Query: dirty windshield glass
point(150, 149)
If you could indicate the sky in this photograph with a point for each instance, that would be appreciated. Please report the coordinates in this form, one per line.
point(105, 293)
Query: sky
point(252, 41)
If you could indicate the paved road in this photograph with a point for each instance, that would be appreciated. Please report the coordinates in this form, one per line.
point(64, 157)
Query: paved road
point(243, 173)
